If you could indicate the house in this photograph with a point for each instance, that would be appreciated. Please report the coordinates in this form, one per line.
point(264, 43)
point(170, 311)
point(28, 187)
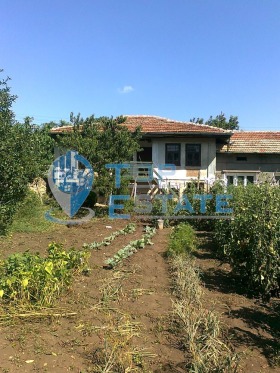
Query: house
point(201, 153)
point(249, 156)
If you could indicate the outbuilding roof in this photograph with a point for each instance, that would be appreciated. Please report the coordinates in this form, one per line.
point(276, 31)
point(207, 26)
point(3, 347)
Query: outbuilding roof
point(253, 142)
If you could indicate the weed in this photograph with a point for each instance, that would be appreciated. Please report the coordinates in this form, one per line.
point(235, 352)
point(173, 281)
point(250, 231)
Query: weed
point(30, 216)
point(182, 240)
point(199, 328)
point(138, 292)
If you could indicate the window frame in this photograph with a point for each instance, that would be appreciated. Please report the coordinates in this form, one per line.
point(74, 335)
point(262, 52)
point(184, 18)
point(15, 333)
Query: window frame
point(198, 165)
point(237, 175)
point(179, 153)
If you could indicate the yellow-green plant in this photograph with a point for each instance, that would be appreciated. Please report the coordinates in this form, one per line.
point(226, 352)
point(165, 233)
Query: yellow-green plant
point(29, 279)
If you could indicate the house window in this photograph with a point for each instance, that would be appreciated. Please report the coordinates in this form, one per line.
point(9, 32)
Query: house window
point(193, 155)
point(230, 180)
point(240, 179)
point(173, 154)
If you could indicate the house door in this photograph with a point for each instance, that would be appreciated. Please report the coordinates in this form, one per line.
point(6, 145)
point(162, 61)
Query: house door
point(145, 155)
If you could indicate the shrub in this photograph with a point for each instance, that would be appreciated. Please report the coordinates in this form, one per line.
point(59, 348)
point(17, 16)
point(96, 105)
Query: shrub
point(251, 241)
point(182, 240)
point(26, 152)
point(30, 279)
point(30, 216)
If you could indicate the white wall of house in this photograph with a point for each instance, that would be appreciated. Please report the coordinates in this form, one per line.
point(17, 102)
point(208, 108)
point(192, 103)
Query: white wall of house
point(183, 172)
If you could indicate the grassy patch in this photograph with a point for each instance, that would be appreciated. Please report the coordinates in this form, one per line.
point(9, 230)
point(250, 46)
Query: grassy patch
point(182, 240)
point(30, 217)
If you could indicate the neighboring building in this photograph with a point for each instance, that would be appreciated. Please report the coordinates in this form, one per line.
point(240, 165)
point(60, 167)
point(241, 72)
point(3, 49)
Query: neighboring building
point(202, 153)
point(249, 155)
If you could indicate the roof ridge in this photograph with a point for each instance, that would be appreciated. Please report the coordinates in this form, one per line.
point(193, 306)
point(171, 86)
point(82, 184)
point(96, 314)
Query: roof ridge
point(175, 121)
point(254, 131)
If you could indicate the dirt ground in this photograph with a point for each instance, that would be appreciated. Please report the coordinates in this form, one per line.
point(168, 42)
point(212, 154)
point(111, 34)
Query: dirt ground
point(139, 297)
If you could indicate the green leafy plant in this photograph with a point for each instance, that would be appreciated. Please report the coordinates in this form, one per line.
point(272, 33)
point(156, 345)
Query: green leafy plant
point(29, 279)
point(130, 228)
point(30, 216)
point(182, 240)
point(251, 240)
point(131, 248)
point(102, 141)
point(26, 153)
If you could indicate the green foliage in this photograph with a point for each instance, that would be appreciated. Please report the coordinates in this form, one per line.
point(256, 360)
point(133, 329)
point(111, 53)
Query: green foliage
point(251, 241)
point(132, 248)
point(220, 121)
point(101, 140)
point(26, 151)
point(182, 240)
point(29, 279)
point(130, 228)
point(30, 216)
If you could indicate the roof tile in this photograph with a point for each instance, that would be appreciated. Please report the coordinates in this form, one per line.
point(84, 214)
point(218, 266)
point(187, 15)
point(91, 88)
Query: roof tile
point(253, 142)
point(154, 124)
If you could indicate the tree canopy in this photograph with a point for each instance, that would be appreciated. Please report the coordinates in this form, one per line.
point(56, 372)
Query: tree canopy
point(219, 121)
point(26, 152)
point(101, 140)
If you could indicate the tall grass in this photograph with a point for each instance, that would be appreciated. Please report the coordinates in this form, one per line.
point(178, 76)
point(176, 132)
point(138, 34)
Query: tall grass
point(199, 329)
point(30, 216)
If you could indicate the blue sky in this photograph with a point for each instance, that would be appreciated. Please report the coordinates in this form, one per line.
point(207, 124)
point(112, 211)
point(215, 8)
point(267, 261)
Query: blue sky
point(173, 58)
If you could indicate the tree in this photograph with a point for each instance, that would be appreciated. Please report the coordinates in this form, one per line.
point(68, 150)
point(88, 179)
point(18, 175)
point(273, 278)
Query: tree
point(101, 140)
point(26, 152)
point(220, 121)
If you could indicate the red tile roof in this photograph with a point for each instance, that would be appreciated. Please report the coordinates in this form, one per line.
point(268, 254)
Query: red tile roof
point(158, 125)
point(154, 124)
point(253, 142)
point(239, 142)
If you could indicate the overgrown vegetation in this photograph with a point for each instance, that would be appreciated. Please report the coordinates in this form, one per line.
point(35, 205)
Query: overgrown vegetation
point(28, 279)
point(102, 141)
point(30, 216)
point(182, 240)
point(251, 240)
point(198, 328)
point(26, 152)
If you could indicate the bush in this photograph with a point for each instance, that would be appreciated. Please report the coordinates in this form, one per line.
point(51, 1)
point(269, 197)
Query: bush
point(30, 216)
point(182, 240)
point(251, 241)
point(26, 152)
point(30, 279)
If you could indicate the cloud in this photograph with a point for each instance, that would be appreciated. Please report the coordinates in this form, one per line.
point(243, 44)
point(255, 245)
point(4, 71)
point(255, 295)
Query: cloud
point(126, 89)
